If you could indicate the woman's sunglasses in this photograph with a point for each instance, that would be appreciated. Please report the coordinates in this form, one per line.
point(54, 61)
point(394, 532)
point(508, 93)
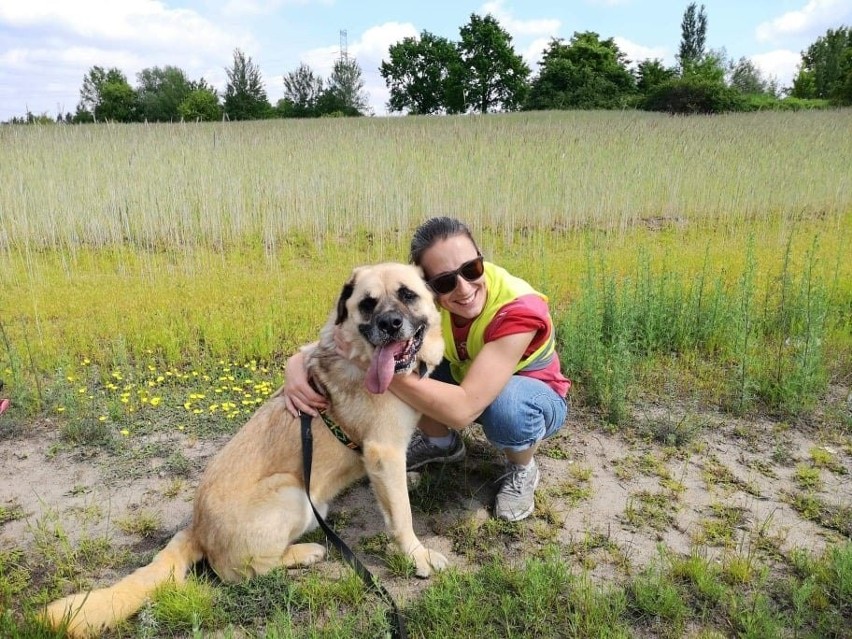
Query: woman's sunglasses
point(446, 282)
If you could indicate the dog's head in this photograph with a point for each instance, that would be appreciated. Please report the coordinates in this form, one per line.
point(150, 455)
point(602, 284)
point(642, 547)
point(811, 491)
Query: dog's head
point(389, 316)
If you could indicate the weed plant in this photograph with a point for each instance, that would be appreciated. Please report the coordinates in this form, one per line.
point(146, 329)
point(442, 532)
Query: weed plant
point(770, 357)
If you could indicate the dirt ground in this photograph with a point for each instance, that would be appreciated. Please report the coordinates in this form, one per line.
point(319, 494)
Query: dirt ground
point(611, 499)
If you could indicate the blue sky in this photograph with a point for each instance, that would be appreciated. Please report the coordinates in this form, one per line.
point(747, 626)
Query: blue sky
point(46, 46)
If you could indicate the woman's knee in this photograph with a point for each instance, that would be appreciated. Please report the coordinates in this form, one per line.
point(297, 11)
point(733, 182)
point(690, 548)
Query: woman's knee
point(524, 415)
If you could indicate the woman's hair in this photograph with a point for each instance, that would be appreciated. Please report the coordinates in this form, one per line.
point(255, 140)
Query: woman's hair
point(434, 230)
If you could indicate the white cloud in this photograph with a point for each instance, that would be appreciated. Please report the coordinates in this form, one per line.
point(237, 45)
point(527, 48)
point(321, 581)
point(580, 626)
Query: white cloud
point(146, 24)
point(811, 20)
point(533, 53)
point(781, 64)
point(131, 35)
point(638, 52)
point(518, 28)
point(33, 59)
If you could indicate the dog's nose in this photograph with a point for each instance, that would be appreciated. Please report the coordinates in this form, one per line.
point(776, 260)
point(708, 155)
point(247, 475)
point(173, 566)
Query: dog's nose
point(389, 322)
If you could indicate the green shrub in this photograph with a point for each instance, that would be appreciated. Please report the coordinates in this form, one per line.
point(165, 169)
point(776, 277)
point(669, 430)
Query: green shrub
point(767, 102)
point(693, 95)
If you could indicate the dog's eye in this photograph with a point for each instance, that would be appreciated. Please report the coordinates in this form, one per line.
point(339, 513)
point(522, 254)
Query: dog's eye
point(367, 305)
point(407, 296)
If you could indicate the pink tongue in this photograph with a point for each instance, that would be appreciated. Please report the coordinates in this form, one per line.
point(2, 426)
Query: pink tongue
point(381, 369)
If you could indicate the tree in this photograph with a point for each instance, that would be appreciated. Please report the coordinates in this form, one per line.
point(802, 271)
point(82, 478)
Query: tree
point(586, 73)
point(494, 76)
point(424, 75)
point(826, 68)
point(106, 95)
point(344, 92)
point(651, 74)
point(747, 79)
point(118, 103)
point(201, 103)
point(711, 66)
point(159, 93)
point(693, 29)
point(82, 115)
point(245, 96)
point(302, 91)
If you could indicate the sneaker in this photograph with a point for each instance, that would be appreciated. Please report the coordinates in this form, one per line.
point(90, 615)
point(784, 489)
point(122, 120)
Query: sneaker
point(516, 497)
point(421, 451)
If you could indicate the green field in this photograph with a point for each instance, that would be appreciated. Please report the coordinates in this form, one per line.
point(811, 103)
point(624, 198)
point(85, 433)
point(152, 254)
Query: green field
point(155, 278)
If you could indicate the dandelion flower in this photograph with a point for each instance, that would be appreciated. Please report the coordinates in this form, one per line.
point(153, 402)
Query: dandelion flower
point(125, 432)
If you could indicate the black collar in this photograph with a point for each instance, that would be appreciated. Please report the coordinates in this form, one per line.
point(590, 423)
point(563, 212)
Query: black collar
point(333, 426)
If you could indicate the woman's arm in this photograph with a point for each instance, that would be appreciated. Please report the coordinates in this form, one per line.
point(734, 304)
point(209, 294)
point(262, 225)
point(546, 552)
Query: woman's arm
point(458, 406)
point(297, 391)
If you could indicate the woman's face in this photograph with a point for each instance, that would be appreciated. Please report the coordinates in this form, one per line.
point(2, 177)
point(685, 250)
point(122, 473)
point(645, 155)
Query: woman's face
point(467, 299)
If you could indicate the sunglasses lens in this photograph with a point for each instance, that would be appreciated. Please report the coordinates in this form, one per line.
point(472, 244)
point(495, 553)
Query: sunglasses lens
point(443, 284)
point(472, 270)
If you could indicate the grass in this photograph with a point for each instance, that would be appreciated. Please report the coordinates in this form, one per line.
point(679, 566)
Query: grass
point(218, 185)
point(152, 292)
point(541, 597)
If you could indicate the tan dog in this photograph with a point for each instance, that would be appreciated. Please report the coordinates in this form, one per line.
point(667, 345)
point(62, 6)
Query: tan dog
point(251, 506)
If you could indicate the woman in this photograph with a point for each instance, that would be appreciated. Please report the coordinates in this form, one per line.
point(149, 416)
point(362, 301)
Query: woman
point(500, 366)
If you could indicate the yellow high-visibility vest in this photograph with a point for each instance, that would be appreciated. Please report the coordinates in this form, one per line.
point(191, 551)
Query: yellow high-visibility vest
point(500, 289)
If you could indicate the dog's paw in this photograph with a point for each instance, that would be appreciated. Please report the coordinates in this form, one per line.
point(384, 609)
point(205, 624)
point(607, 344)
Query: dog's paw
point(428, 561)
point(303, 554)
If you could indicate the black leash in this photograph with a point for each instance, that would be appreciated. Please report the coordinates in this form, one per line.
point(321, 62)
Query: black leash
point(395, 619)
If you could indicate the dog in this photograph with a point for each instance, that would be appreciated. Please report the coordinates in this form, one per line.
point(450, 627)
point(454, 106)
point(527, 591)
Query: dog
point(250, 506)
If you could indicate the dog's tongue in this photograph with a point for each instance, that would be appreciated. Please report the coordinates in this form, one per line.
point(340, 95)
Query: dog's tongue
point(381, 370)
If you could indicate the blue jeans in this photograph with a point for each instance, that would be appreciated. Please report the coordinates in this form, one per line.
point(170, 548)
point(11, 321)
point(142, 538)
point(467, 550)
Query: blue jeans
point(526, 411)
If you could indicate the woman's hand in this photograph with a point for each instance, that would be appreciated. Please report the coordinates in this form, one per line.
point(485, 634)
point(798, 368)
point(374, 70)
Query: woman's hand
point(297, 391)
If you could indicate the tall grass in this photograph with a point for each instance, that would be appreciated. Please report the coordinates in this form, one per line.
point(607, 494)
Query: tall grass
point(187, 244)
point(215, 185)
point(770, 356)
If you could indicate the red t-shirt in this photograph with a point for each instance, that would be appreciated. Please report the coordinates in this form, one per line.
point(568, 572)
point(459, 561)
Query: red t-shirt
point(522, 315)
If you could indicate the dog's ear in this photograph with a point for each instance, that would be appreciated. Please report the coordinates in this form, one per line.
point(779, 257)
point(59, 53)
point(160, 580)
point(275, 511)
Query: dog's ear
point(345, 294)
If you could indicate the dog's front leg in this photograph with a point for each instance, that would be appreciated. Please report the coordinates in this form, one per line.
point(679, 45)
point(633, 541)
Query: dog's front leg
point(386, 468)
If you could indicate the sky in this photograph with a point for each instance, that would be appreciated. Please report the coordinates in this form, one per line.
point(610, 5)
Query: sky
point(47, 46)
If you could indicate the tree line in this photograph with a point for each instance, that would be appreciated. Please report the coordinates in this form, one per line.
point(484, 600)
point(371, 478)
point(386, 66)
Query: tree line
point(482, 72)
point(166, 94)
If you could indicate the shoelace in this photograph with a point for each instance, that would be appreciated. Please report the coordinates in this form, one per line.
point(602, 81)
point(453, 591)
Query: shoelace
point(518, 474)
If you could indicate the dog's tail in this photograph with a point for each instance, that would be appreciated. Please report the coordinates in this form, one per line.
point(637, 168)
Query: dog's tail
point(89, 613)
